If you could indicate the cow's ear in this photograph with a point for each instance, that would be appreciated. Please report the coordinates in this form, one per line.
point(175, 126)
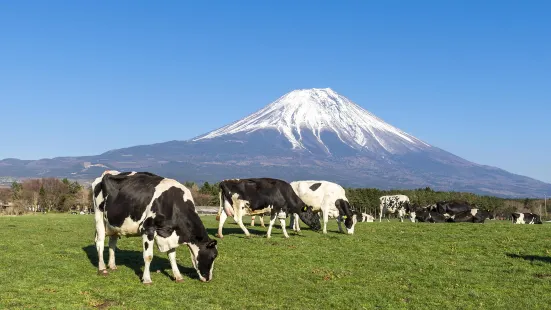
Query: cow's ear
point(304, 209)
point(211, 244)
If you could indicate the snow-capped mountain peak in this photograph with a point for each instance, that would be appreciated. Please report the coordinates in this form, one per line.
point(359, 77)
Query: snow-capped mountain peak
point(320, 111)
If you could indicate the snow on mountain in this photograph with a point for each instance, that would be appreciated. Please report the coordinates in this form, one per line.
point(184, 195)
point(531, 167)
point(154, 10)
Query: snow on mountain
point(311, 112)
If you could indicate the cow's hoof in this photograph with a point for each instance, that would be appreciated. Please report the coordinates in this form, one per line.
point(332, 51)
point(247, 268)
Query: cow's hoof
point(111, 269)
point(219, 236)
point(179, 280)
point(147, 283)
point(103, 272)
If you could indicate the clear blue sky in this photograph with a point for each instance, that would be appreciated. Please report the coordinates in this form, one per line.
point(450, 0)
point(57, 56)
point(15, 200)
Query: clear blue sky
point(84, 77)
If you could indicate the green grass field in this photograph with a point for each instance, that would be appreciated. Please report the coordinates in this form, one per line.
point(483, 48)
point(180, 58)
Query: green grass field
point(49, 261)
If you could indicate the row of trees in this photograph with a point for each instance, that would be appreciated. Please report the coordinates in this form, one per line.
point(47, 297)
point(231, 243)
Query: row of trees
point(46, 194)
point(51, 194)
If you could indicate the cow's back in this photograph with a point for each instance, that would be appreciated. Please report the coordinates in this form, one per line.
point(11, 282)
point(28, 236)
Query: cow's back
point(261, 192)
point(127, 198)
point(318, 193)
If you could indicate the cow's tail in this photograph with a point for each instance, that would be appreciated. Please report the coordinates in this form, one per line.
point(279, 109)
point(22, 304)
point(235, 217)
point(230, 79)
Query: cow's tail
point(220, 206)
point(222, 192)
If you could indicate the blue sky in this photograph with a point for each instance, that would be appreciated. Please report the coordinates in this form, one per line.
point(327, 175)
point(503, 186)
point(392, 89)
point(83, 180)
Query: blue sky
point(81, 78)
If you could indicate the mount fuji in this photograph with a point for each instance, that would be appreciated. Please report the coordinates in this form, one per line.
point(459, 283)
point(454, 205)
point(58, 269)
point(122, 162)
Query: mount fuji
point(305, 134)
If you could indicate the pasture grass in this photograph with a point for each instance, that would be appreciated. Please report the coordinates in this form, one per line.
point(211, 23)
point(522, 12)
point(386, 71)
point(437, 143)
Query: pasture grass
point(50, 262)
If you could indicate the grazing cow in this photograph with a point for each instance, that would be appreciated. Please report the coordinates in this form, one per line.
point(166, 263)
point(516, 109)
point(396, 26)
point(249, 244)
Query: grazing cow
point(392, 204)
point(328, 198)
point(161, 210)
point(260, 195)
point(526, 218)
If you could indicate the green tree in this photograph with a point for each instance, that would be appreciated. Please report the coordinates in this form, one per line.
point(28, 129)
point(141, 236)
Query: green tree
point(16, 189)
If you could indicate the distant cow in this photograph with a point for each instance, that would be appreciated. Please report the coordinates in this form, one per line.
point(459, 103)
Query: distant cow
point(239, 197)
point(393, 204)
point(450, 208)
point(161, 210)
point(472, 216)
point(364, 217)
point(526, 218)
point(426, 215)
point(328, 198)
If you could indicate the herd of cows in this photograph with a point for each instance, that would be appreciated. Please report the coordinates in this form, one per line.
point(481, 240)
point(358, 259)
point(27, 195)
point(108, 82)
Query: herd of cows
point(162, 211)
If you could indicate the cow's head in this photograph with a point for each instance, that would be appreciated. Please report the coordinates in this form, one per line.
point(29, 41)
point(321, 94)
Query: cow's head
point(307, 215)
point(411, 209)
point(347, 215)
point(203, 256)
point(350, 223)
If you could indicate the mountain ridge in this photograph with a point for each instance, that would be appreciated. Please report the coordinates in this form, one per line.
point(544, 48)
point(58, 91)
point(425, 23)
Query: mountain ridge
point(304, 134)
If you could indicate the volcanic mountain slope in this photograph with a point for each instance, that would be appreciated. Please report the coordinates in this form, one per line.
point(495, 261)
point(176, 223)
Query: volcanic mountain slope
point(305, 134)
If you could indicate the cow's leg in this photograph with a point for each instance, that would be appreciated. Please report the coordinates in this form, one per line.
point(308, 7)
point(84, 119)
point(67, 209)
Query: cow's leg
point(262, 220)
point(112, 247)
point(339, 220)
point(325, 220)
point(175, 271)
point(147, 257)
point(240, 223)
point(100, 242)
point(282, 216)
point(239, 219)
point(380, 214)
point(273, 216)
point(223, 217)
point(252, 220)
point(296, 226)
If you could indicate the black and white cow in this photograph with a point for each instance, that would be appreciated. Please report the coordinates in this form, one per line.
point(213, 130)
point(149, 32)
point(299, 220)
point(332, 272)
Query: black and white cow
point(253, 196)
point(427, 215)
point(526, 218)
point(161, 210)
point(393, 204)
point(364, 217)
point(328, 198)
point(450, 208)
point(472, 216)
point(482, 215)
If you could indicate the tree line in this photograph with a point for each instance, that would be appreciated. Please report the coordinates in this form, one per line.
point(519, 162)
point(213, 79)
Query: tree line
point(51, 194)
point(45, 195)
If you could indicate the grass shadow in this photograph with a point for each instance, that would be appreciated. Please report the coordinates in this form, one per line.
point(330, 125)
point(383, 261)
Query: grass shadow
point(531, 258)
point(234, 230)
point(260, 233)
point(134, 260)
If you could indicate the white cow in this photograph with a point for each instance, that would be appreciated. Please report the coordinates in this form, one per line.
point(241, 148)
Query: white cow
point(366, 218)
point(394, 203)
point(329, 199)
point(526, 218)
